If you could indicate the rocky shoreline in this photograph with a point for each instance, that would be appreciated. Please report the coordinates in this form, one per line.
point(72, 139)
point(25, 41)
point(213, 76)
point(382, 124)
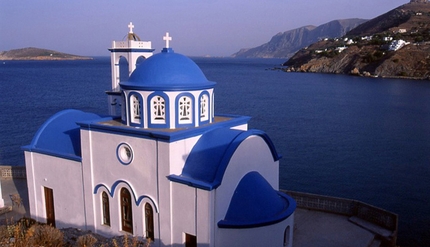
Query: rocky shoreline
point(354, 72)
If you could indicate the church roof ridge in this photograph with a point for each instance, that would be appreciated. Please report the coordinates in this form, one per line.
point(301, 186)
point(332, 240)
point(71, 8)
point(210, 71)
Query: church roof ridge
point(60, 134)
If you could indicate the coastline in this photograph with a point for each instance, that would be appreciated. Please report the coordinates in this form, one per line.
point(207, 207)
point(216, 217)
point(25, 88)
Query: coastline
point(43, 58)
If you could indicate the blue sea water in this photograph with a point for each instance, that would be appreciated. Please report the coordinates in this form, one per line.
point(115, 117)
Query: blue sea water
point(361, 138)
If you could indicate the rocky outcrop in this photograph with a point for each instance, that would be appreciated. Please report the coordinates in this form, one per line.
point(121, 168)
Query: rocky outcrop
point(284, 45)
point(31, 53)
point(365, 50)
point(412, 61)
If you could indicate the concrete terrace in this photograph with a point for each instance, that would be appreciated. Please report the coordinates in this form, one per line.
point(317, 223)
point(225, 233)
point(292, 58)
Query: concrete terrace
point(311, 227)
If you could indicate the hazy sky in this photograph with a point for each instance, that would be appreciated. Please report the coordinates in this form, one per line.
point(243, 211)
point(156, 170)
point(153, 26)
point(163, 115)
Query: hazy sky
point(198, 27)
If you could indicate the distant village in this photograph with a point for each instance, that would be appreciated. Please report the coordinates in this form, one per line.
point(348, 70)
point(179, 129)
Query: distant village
point(391, 43)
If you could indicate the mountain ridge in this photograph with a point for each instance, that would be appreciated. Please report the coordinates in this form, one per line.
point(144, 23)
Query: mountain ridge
point(285, 44)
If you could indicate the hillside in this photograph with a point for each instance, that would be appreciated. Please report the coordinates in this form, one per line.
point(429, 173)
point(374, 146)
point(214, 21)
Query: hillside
point(395, 44)
point(284, 45)
point(31, 53)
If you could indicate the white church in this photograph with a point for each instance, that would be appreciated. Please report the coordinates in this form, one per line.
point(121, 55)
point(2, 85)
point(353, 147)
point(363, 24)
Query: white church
point(162, 165)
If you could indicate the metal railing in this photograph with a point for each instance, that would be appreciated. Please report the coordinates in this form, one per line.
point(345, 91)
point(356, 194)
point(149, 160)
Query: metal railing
point(8, 172)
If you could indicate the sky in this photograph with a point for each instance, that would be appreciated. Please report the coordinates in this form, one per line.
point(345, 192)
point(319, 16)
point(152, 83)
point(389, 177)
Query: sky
point(197, 27)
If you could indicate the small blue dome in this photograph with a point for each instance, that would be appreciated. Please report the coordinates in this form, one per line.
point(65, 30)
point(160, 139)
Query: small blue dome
point(167, 71)
point(255, 203)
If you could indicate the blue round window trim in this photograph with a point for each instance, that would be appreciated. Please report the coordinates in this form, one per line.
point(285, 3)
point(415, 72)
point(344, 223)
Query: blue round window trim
point(124, 153)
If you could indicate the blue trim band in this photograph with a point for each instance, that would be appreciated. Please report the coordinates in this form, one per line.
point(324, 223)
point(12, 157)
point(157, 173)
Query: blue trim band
point(111, 192)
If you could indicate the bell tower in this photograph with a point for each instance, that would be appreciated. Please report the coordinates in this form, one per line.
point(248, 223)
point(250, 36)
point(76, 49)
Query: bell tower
point(131, 49)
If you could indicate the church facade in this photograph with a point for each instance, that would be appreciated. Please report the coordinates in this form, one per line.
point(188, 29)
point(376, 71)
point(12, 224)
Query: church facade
point(162, 165)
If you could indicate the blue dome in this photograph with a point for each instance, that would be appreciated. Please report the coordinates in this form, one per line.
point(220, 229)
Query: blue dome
point(255, 203)
point(167, 71)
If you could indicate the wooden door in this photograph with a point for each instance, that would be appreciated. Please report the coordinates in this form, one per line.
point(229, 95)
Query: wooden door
point(49, 204)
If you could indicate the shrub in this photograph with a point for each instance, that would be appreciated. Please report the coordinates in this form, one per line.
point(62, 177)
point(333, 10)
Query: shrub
point(44, 235)
point(86, 241)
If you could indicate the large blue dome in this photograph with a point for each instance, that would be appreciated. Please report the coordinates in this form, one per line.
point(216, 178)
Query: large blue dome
point(167, 71)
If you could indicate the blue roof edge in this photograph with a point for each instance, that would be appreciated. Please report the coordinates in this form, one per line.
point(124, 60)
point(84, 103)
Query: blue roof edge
point(234, 144)
point(191, 182)
point(47, 123)
point(34, 145)
point(270, 221)
point(153, 87)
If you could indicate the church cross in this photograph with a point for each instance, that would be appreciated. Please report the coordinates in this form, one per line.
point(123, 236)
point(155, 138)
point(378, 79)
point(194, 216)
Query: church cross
point(167, 38)
point(131, 27)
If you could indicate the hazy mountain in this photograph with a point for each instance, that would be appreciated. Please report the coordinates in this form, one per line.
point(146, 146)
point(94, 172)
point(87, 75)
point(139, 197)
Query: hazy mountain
point(285, 44)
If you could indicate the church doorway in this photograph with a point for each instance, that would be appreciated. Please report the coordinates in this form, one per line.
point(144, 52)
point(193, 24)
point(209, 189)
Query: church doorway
point(126, 211)
point(190, 240)
point(149, 222)
point(49, 205)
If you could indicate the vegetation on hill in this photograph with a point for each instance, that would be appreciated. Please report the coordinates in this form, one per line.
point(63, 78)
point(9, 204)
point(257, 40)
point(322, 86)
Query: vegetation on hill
point(395, 44)
point(31, 53)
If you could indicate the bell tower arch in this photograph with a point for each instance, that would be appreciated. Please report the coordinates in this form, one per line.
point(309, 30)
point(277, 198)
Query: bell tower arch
point(132, 49)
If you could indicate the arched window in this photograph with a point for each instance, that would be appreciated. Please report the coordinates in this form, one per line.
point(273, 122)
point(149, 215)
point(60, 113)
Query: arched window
point(135, 109)
point(204, 108)
point(126, 211)
point(287, 236)
point(105, 208)
point(158, 110)
point(185, 110)
point(149, 222)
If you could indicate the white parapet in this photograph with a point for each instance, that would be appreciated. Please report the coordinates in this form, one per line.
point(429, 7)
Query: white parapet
point(131, 44)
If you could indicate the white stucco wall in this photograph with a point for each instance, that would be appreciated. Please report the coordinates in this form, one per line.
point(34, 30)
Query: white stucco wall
point(64, 177)
point(184, 206)
point(107, 173)
point(192, 213)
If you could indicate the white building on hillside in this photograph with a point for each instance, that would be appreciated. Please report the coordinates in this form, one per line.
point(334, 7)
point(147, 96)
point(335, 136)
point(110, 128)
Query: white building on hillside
point(167, 168)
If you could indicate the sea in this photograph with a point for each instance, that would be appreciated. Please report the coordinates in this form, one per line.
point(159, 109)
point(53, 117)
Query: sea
point(361, 138)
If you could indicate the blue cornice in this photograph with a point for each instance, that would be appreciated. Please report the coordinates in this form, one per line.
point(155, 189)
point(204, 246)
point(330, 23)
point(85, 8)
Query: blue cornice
point(154, 87)
point(167, 135)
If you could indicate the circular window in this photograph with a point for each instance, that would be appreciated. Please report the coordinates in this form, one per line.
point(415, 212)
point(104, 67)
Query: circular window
point(124, 153)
